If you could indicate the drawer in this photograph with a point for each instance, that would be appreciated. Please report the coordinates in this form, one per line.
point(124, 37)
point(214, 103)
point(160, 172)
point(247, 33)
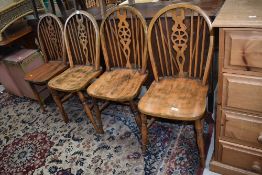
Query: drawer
point(243, 49)
point(243, 157)
point(242, 92)
point(242, 127)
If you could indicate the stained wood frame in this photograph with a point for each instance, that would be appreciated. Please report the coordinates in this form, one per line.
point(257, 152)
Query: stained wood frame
point(44, 38)
point(117, 55)
point(82, 40)
point(49, 46)
point(142, 58)
point(96, 59)
point(174, 67)
point(195, 9)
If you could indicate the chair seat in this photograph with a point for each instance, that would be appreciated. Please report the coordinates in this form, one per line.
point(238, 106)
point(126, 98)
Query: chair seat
point(117, 85)
point(74, 79)
point(45, 72)
point(177, 98)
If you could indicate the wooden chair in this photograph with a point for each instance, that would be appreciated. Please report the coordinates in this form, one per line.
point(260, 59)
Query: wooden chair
point(180, 42)
point(124, 42)
point(50, 36)
point(82, 40)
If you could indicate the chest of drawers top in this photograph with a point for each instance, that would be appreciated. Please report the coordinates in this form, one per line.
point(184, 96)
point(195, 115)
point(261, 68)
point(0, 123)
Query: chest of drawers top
point(240, 13)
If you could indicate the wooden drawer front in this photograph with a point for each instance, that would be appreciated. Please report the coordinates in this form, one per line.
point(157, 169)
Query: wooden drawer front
point(243, 127)
point(242, 157)
point(243, 49)
point(242, 92)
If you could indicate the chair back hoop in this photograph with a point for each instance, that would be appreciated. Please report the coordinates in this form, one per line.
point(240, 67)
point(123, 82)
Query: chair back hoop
point(180, 44)
point(50, 36)
point(82, 39)
point(124, 39)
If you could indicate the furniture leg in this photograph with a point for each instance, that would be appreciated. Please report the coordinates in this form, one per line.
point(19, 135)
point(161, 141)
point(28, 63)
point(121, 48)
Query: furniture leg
point(144, 132)
point(37, 95)
point(135, 111)
point(59, 104)
point(98, 117)
point(88, 111)
point(200, 141)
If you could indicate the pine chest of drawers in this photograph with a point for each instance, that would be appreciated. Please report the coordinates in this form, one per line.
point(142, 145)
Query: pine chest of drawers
point(238, 133)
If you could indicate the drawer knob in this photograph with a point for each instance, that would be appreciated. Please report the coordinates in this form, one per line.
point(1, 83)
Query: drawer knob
point(256, 167)
point(259, 139)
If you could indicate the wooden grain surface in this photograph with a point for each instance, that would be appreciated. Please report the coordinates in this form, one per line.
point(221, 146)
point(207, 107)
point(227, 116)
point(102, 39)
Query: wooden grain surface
point(243, 49)
point(74, 78)
point(45, 72)
point(242, 92)
point(242, 128)
point(117, 85)
point(225, 169)
point(243, 157)
point(240, 13)
point(175, 98)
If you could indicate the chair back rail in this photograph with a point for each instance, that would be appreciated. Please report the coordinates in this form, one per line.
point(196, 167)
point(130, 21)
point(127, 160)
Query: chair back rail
point(50, 36)
point(181, 42)
point(124, 38)
point(82, 39)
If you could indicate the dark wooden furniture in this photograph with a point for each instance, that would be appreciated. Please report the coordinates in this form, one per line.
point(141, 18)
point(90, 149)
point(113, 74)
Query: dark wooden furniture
point(180, 41)
point(50, 36)
point(15, 11)
point(97, 3)
point(238, 141)
point(124, 43)
point(148, 10)
point(16, 36)
point(83, 46)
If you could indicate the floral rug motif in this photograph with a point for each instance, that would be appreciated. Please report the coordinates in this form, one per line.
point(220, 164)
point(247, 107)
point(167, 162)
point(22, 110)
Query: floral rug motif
point(25, 154)
point(32, 142)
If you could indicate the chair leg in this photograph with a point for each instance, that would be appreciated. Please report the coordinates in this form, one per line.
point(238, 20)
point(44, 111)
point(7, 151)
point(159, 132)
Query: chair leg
point(37, 95)
point(98, 116)
point(135, 111)
point(59, 104)
point(88, 111)
point(144, 132)
point(200, 141)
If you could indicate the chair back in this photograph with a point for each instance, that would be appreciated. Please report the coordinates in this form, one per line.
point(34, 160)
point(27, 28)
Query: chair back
point(124, 39)
point(82, 39)
point(180, 44)
point(50, 36)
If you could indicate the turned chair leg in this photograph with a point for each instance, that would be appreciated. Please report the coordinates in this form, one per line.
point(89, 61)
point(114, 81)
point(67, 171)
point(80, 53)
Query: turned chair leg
point(135, 111)
point(144, 132)
point(37, 95)
point(88, 111)
point(59, 104)
point(200, 141)
point(98, 116)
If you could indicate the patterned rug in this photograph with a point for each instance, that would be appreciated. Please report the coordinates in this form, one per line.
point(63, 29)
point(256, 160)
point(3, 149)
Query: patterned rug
point(32, 142)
